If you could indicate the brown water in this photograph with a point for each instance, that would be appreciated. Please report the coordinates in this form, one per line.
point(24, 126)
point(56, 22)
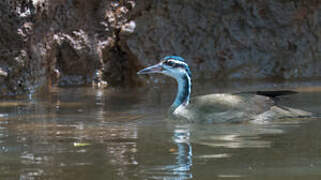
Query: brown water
point(85, 133)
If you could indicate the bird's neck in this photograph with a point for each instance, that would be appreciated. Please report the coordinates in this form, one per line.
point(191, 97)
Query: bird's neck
point(183, 91)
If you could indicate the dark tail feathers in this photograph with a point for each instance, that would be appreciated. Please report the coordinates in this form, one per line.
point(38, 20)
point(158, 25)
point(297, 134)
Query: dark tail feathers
point(274, 94)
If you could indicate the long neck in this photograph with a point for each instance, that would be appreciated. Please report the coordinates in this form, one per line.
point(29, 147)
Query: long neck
point(183, 92)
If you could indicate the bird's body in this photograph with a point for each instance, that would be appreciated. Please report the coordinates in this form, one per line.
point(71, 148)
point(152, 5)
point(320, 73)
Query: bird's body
point(239, 107)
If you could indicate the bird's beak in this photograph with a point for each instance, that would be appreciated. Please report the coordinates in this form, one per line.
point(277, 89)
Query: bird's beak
point(157, 68)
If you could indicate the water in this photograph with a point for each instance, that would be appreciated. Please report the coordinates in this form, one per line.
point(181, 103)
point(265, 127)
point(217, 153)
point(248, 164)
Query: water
point(85, 133)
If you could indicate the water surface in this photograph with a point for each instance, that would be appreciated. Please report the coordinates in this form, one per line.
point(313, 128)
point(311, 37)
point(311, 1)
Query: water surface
point(86, 133)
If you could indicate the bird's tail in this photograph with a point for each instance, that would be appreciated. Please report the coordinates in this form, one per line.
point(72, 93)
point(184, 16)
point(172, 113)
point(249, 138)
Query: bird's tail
point(274, 94)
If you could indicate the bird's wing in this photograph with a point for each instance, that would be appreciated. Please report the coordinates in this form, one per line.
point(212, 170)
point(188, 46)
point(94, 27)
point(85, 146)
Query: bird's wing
point(224, 102)
point(229, 107)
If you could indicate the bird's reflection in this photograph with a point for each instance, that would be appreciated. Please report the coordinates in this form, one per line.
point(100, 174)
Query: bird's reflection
point(181, 138)
point(180, 169)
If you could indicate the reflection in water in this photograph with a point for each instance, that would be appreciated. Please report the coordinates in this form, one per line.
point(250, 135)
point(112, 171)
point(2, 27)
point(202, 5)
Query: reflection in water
point(97, 134)
point(235, 136)
point(184, 152)
point(72, 130)
point(100, 102)
point(181, 169)
point(122, 154)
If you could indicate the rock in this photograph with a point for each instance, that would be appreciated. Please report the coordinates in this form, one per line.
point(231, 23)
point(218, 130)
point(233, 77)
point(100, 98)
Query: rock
point(63, 43)
point(105, 42)
point(17, 61)
point(276, 39)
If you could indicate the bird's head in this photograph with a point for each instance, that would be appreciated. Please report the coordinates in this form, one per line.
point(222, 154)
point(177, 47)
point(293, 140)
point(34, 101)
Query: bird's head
point(173, 66)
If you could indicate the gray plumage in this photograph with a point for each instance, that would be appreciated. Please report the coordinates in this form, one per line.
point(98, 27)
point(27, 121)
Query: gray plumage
point(214, 108)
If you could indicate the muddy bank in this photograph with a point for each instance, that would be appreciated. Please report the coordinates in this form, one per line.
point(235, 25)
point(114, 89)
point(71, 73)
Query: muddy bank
point(104, 42)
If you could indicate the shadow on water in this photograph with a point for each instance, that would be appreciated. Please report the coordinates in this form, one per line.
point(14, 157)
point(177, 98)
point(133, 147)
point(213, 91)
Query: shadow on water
point(87, 133)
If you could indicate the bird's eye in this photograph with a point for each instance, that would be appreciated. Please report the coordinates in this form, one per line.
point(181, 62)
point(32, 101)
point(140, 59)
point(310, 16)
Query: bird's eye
point(169, 63)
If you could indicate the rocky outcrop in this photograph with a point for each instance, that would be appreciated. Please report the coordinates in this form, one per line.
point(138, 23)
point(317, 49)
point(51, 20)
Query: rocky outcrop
point(18, 65)
point(277, 39)
point(105, 42)
point(86, 41)
point(64, 43)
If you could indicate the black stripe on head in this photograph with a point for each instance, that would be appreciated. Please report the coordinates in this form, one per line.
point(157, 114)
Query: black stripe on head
point(178, 64)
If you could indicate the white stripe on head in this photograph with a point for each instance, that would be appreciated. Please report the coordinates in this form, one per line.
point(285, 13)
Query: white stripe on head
point(176, 61)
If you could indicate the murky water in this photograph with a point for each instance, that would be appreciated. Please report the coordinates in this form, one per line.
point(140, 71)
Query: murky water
point(85, 133)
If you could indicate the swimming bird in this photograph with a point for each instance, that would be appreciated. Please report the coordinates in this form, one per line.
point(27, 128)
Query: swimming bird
point(256, 106)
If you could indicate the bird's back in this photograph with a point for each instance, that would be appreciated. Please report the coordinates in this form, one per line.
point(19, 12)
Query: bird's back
point(234, 108)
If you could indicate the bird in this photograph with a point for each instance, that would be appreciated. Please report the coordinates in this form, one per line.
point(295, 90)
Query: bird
point(258, 106)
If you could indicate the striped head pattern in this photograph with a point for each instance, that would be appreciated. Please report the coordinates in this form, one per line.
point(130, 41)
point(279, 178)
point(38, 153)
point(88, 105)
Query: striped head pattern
point(176, 65)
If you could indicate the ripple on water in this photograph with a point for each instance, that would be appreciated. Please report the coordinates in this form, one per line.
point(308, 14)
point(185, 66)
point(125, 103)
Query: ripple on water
point(89, 134)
